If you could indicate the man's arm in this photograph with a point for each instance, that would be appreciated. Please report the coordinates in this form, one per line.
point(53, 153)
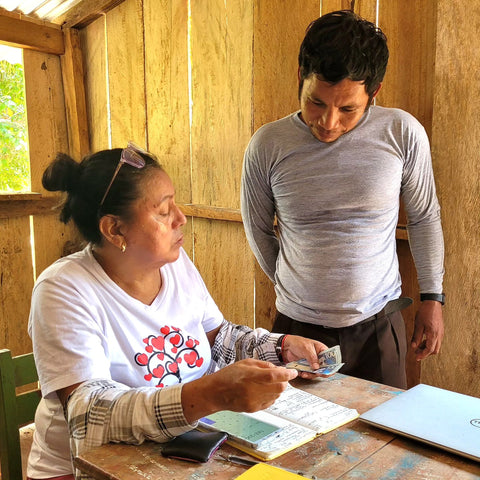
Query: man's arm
point(426, 244)
point(258, 214)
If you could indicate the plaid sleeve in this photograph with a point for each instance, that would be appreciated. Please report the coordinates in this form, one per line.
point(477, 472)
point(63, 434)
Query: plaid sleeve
point(236, 342)
point(103, 411)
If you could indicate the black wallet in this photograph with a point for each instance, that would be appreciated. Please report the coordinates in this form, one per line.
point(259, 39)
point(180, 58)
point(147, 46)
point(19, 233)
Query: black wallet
point(194, 446)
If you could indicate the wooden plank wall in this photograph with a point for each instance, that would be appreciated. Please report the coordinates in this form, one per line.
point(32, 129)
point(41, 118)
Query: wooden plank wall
point(191, 78)
point(409, 85)
point(456, 147)
point(20, 260)
point(192, 81)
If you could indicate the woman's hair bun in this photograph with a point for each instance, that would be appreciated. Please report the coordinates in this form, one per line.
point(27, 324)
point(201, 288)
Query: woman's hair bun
point(62, 174)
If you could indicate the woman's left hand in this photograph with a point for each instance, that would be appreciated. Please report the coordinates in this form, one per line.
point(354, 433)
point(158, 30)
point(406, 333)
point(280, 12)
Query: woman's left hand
point(296, 347)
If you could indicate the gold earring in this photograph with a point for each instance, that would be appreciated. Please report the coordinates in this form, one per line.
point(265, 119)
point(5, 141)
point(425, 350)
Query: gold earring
point(123, 247)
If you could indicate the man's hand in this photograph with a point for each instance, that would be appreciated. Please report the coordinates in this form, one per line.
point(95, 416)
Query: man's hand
point(428, 333)
point(296, 348)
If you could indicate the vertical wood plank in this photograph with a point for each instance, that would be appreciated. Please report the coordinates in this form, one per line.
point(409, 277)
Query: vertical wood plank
point(366, 9)
point(16, 282)
point(408, 274)
point(74, 88)
point(278, 32)
point(221, 46)
point(410, 28)
point(48, 127)
point(456, 143)
point(126, 73)
point(167, 95)
point(221, 61)
point(93, 41)
point(166, 60)
point(223, 257)
point(333, 5)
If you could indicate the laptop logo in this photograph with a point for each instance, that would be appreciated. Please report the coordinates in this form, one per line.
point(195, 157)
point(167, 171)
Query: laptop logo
point(475, 422)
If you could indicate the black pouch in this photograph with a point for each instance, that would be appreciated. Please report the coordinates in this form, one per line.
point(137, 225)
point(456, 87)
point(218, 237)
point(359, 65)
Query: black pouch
point(194, 446)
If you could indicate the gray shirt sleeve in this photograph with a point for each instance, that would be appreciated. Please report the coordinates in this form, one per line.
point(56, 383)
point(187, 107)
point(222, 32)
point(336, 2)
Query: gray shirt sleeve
point(258, 213)
point(423, 212)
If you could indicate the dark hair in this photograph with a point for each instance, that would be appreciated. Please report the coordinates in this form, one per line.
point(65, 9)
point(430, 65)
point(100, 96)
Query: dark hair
point(342, 45)
point(86, 182)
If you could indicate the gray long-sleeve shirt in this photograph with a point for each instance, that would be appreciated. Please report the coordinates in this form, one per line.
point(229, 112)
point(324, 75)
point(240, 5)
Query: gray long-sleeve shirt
point(334, 261)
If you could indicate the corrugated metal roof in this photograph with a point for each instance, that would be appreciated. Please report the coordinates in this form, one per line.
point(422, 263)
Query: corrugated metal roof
point(47, 10)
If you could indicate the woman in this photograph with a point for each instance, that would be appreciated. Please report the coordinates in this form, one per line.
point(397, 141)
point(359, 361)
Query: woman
point(127, 340)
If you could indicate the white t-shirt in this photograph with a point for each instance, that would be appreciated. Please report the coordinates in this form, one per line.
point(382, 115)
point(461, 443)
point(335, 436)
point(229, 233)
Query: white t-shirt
point(84, 326)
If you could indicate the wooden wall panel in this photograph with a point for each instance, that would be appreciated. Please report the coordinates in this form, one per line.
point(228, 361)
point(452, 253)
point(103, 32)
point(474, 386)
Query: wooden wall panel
point(279, 30)
point(410, 29)
point(221, 53)
point(166, 60)
point(16, 280)
point(93, 40)
point(74, 92)
point(221, 69)
point(456, 147)
point(47, 124)
point(365, 8)
point(126, 74)
point(408, 85)
point(167, 95)
point(47, 136)
point(223, 257)
point(332, 5)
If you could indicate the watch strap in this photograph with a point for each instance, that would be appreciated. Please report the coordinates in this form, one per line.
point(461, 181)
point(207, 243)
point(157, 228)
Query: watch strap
point(438, 297)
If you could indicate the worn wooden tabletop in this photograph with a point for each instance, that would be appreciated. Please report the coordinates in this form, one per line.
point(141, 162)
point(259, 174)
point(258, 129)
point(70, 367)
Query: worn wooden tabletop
point(353, 451)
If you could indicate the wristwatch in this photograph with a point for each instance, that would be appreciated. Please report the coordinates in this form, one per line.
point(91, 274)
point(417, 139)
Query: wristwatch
point(279, 346)
point(438, 297)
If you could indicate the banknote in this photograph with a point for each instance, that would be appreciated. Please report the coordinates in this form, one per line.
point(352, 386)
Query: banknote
point(330, 361)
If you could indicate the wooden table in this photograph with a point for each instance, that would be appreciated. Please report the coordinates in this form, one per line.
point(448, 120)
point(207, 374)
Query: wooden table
point(354, 451)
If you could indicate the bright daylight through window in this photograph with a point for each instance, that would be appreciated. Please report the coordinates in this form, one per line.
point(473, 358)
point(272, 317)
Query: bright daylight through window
point(14, 157)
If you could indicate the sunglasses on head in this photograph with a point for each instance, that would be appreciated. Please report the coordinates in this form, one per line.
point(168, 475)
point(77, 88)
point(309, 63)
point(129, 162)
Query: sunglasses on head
point(132, 156)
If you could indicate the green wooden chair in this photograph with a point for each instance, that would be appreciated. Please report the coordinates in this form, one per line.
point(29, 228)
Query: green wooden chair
point(16, 410)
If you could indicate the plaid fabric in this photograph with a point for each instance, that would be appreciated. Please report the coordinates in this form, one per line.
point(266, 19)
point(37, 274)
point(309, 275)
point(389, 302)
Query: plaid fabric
point(103, 411)
point(236, 342)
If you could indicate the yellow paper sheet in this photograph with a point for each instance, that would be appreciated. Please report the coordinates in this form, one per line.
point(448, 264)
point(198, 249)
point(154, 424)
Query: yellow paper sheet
point(264, 471)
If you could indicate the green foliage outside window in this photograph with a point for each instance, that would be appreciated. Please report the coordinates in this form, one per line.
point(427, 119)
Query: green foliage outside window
point(14, 158)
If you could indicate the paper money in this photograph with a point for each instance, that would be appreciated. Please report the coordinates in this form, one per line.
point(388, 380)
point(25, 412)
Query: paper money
point(330, 361)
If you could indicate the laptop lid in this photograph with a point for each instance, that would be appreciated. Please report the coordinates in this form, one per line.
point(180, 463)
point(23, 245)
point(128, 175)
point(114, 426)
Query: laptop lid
point(439, 417)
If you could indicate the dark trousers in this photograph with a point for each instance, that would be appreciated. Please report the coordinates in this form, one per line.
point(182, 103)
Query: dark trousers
point(374, 350)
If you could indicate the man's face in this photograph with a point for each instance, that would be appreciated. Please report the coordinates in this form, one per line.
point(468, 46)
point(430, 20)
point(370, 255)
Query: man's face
point(330, 110)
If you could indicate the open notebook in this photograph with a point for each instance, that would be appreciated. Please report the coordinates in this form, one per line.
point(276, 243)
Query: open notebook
point(433, 415)
point(295, 418)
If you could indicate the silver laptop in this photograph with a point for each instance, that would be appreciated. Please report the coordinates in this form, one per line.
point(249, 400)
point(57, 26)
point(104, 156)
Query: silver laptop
point(433, 415)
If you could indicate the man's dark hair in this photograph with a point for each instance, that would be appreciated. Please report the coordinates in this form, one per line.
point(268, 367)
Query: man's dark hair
point(342, 45)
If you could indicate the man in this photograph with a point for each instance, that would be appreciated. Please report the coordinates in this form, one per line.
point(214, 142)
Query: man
point(332, 175)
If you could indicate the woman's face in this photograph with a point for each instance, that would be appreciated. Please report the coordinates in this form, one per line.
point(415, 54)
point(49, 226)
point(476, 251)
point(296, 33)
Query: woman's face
point(154, 233)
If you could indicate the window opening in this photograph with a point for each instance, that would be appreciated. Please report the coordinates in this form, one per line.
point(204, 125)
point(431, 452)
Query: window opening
point(14, 155)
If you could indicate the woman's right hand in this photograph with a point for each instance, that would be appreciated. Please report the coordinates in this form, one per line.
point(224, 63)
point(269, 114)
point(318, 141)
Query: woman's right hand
point(245, 386)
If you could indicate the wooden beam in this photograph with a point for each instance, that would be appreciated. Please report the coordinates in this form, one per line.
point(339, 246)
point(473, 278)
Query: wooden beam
point(74, 89)
point(27, 205)
point(34, 204)
point(20, 33)
point(214, 213)
point(85, 13)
